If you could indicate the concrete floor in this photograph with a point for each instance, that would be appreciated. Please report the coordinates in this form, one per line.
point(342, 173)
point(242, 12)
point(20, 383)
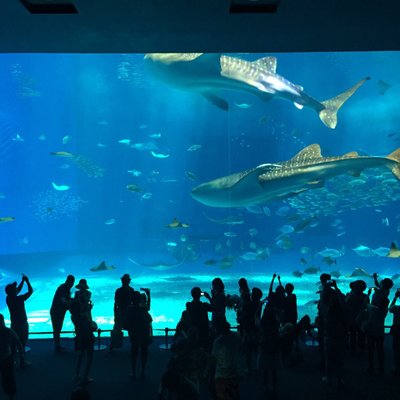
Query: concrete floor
point(51, 376)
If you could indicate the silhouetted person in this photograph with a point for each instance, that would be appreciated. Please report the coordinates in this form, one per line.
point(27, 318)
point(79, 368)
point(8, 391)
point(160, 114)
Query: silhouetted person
point(243, 308)
point(59, 306)
point(217, 300)
point(122, 300)
point(356, 301)
point(16, 305)
point(395, 332)
point(185, 370)
point(335, 334)
point(321, 316)
point(198, 318)
point(227, 354)
point(181, 330)
point(382, 289)
point(9, 342)
point(269, 358)
point(277, 298)
point(290, 305)
point(138, 322)
point(81, 315)
point(250, 316)
point(374, 328)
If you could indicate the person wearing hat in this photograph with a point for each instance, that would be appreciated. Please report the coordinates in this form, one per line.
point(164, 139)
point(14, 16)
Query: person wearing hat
point(123, 298)
point(59, 306)
point(81, 315)
point(16, 306)
point(356, 301)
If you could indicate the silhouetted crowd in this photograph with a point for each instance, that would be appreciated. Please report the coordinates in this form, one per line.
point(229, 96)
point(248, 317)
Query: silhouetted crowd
point(207, 352)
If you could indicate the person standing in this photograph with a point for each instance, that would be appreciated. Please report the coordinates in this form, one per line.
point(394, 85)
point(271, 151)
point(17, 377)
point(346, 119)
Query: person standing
point(228, 362)
point(16, 306)
point(81, 315)
point(122, 300)
point(59, 306)
point(8, 343)
point(395, 332)
point(138, 323)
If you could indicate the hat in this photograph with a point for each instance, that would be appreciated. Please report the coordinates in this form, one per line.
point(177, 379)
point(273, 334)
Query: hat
point(358, 285)
point(82, 285)
point(10, 286)
point(126, 277)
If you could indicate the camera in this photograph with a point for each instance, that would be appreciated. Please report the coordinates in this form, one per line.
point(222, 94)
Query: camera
point(145, 289)
point(202, 294)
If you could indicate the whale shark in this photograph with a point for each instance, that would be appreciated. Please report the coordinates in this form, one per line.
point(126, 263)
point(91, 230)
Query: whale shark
point(307, 170)
point(209, 73)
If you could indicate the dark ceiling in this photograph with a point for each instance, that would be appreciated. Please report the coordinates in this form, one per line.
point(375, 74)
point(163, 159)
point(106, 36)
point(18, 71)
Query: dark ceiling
point(109, 26)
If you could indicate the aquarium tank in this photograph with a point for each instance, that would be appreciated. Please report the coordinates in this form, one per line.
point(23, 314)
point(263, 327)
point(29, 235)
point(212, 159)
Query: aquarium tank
point(179, 168)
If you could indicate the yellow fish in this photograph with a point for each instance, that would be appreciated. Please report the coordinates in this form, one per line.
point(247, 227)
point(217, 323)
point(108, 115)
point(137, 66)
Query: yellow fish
point(394, 252)
point(177, 224)
point(6, 219)
point(62, 154)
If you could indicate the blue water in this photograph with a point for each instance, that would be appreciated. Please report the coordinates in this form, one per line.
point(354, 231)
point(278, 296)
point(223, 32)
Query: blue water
point(87, 104)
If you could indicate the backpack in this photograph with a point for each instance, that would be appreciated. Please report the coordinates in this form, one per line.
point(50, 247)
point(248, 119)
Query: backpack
point(75, 307)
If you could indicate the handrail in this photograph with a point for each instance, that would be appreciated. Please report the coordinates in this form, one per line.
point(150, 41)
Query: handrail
point(166, 330)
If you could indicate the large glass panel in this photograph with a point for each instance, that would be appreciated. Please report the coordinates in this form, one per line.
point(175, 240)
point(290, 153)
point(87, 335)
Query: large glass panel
point(99, 157)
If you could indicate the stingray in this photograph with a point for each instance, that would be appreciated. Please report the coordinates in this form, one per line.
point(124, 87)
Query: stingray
point(102, 267)
point(359, 272)
point(383, 87)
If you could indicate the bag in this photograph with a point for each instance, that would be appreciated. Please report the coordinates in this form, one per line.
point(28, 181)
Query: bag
point(75, 307)
point(94, 326)
point(116, 339)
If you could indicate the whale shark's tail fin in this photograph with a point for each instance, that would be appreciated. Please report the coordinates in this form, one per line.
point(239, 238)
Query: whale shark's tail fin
point(395, 156)
point(329, 114)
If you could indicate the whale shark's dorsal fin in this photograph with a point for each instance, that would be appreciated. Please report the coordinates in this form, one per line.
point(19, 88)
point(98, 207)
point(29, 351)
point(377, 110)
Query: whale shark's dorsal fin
point(268, 63)
point(351, 154)
point(102, 265)
point(308, 153)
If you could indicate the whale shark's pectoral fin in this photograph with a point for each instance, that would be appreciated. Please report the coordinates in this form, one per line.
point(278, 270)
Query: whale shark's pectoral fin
point(316, 184)
point(292, 194)
point(395, 156)
point(217, 101)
